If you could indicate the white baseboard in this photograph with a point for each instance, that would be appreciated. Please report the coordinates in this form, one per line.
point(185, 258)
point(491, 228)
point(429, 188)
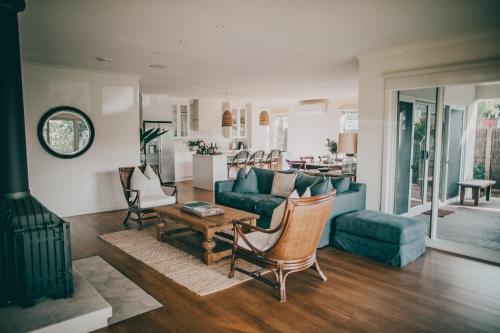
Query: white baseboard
point(92, 210)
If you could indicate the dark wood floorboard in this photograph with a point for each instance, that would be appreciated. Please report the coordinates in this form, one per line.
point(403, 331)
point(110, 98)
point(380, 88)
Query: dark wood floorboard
point(440, 292)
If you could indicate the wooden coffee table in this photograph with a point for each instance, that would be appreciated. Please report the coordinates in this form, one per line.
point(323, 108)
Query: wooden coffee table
point(198, 234)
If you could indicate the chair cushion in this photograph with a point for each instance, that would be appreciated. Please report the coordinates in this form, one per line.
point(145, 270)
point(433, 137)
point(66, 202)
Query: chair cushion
point(243, 201)
point(258, 239)
point(155, 201)
point(246, 183)
point(323, 186)
point(303, 181)
point(341, 184)
point(283, 184)
point(380, 226)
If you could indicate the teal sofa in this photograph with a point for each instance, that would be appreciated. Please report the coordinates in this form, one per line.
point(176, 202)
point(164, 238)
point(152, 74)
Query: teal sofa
point(350, 197)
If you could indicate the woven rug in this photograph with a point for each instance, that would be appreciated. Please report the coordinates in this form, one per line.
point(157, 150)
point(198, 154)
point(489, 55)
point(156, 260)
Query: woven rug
point(176, 264)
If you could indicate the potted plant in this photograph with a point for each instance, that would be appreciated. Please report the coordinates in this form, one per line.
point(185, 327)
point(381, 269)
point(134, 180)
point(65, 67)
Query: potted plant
point(489, 112)
point(146, 137)
point(194, 144)
point(332, 147)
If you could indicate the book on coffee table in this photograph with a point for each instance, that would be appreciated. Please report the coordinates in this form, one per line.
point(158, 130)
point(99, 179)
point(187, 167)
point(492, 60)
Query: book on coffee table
point(201, 208)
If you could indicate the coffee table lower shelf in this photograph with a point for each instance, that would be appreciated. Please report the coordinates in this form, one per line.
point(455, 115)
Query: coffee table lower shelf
point(193, 242)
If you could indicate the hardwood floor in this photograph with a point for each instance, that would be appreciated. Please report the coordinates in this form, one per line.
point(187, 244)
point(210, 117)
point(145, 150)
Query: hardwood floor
point(438, 293)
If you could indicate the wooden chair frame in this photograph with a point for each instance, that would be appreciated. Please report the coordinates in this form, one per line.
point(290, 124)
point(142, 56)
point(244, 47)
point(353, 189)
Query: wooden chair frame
point(256, 159)
point(279, 258)
point(272, 159)
point(239, 161)
point(134, 206)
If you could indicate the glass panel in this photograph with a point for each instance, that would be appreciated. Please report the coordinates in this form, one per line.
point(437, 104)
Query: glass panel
point(234, 129)
point(242, 123)
point(174, 119)
point(415, 153)
point(350, 121)
point(184, 120)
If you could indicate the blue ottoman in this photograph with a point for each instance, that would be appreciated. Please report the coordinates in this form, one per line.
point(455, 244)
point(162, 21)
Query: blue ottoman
point(391, 239)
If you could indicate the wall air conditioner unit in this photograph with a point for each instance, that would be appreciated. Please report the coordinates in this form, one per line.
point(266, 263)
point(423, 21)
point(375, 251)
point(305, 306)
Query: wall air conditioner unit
point(312, 106)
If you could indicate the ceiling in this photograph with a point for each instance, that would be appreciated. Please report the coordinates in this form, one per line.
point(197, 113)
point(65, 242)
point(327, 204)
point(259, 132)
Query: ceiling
point(227, 49)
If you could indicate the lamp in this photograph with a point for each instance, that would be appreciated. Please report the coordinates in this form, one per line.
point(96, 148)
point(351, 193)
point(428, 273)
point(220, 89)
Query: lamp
point(264, 118)
point(227, 119)
point(348, 145)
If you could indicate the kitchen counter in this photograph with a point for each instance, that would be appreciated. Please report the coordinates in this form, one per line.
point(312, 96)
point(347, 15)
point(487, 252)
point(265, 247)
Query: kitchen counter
point(207, 169)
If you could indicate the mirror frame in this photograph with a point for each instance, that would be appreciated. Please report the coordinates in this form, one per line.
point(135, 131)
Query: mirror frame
point(50, 113)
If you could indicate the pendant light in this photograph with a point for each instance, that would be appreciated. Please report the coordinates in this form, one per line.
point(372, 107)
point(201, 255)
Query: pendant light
point(264, 118)
point(227, 119)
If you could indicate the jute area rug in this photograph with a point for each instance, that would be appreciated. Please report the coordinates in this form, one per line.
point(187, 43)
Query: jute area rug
point(176, 264)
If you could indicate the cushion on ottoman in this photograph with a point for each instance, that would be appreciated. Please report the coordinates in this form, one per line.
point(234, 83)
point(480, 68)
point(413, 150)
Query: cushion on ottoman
point(380, 226)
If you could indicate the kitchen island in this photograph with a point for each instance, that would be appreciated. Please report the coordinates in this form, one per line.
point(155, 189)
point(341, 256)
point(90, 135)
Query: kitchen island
point(207, 169)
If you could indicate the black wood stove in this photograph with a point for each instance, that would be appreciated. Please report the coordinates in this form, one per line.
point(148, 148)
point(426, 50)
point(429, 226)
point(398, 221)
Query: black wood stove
point(35, 247)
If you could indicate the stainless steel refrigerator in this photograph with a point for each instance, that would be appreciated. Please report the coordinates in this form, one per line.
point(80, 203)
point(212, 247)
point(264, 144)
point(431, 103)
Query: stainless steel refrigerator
point(161, 151)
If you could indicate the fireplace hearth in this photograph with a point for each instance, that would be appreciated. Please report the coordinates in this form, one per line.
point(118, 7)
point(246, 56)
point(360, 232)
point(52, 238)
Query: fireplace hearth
point(35, 245)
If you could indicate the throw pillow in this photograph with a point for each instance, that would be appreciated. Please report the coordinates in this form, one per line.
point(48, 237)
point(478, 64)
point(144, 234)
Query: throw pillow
point(278, 216)
point(149, 172)
point(321, 187)
point(246, 183)
point(148, 187)
point(303, 181)
point(341, 184)
point(137, 182)
point(283, 184)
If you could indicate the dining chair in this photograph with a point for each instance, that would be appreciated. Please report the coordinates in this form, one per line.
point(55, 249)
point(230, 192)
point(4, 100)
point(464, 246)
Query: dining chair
point(239, 161)
point(256, 159)
point(272, 160)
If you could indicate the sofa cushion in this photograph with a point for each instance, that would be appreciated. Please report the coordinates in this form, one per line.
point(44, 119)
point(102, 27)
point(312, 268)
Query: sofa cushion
point(303, 181)
point(246, 183)
point(243, 201)
point(267, 204)
point(380, 226)
point(324, 186)
point(155, 201)
point(341, 184)
point(283, 184)
point(264, 179)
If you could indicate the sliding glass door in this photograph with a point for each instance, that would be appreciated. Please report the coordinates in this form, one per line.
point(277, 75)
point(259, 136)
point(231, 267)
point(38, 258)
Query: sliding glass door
point(416, 124)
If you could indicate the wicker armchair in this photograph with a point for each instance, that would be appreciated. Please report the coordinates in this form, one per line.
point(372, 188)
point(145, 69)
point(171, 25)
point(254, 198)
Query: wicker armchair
point(138, 212)
point(288, 248)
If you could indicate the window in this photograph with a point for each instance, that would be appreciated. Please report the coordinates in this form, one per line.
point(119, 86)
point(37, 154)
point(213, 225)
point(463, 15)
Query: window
point(349, 122)
point(280, 132)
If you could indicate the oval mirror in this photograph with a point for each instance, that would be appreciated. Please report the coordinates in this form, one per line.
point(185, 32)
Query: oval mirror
point(65, 132)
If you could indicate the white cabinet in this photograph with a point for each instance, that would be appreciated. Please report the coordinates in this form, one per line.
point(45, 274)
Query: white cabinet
point(205, 115)
point(183, 166)
point(180, 120)
point(239, 128)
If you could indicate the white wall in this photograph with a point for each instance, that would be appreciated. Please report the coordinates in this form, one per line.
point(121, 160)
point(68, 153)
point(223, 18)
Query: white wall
point(307, 132)
point(488, 91)
point(372, 69)
point(88, 183)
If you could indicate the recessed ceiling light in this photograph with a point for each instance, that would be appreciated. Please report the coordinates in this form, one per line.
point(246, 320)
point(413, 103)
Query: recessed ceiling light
point(183, 41)
point(158, 66)
point(156, 52)
point(220, 26)
point(104, 59)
